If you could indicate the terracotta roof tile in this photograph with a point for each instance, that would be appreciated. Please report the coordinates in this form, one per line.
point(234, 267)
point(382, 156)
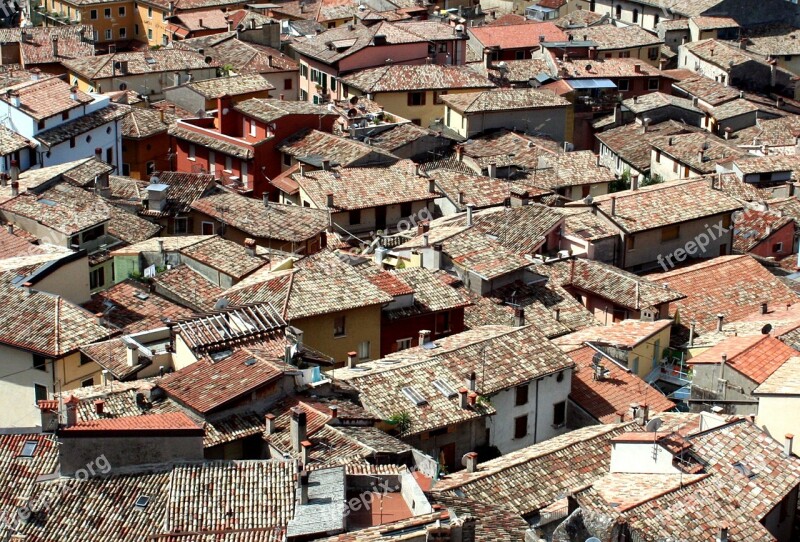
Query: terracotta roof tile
point(516, 36)
point(756, 357)
point(402, 78)
point(624, 335)
point(139, 62)
point(189, 288)
point(172, 421)
point(18, 473)
point(754, 226)
point(135, 308)
point(314, 146)
point(611, 37)
point(634, 147)
point(502, 100)
point(44, 98)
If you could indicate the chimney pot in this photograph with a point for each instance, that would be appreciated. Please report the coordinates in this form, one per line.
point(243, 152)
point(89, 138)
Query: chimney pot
point(764, 307)
point(334, 411)
point(557, 314)
point(720, 321)
point(462, 396)
point(470, 209)
point(471, 381)
point(472, 398)
point(298, 428)
point(269, 424)
point(98, 407)
point(303, 479)
point(519, 317)
point(723, 532)
point(431, 186)
point(351, 359)
point(424, 334)
point(471, 462)
point(613, 205)
point(329, 202)
point(14, 189)
point(787, 444)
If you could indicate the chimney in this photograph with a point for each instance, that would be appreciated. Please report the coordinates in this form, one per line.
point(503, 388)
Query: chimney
point(200, 22)
point(4, 179)
point(487, 58)
point(557, 314)
point(720, 320)
point(265, 199)
point(617, 117)
point(230, 23)
point(329, 200)
point(787, 444)
point(351, 359)
point(269, 424)
point(723, 533)
point(10, 228)
point(334, 412)
point(303, 479)
point(250, 246)
point(55, 46)
point(28, 287)
point(645, 413)
point(101, 318)
point(471, 381)
point(471, 461)
point(71, 410)
point(304, 454)
point(470, 209)
point(132, 354)
point(519, 317)
point(99, 405)
point(645, 125)
point(613, 205)
point(14, 189)
point(460, 198)
point(269, 60)
point(35, 74)
point(437, 256)
point(692, 333)
point(459, 152)
point(431, 186)
point(764, 307)
point(635, 181)
point(298, 428)
point(492, 170)
point(637, 68)
point(701, 154)
point(425, 240)
point(462, 397)
point(326, 165)
point(472, 398)
point(14, 95)
point(98, 154)
point(423, 227)
point(424, 335)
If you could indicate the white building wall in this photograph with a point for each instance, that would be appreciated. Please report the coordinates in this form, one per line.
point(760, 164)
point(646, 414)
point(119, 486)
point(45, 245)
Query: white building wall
point(641, 457)
point(17, 396)
point(105, 137)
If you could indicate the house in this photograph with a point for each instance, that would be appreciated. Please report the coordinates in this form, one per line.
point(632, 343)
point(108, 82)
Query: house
point(683, 156)
point(587, 234)
point(249, 52)
point(63, 121)
point(359, 201)
point(40, 339)
point(240, 148)
point(290, 229)
point(187, 25)
point(606, 396)
point(313, 148)
point(653, 240)
point(502, 153)
point(45, 47)
point(202, 96)
point(726, 374)
point(713, 27)
point(468, 114)
point(768, 234)
point(413, 92)
point(660, 107)
point(776, 396)
point(774, 42)
point(145, 139)
point(623, 42)
point(630, 76)
point(446, 418)
point(169, 198)
point(147, 72)
point(636, 345)
point(512, 42)
point(573, 175)
point(611, 294)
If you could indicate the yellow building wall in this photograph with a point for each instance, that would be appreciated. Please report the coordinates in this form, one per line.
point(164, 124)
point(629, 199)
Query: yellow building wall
point(773, 417)
point(153, 24)
point(83, 15)
point(456, 122)
point(363, 324)
point(645, 352)
point(71, 373)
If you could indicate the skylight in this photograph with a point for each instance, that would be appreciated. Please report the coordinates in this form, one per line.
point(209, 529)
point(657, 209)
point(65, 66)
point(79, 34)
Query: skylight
point(142, 501)
point(414, 396)
point(445, 388)
point(29, 448)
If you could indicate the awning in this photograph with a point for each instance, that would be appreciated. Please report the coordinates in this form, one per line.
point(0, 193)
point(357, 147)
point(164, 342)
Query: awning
point(591, 83)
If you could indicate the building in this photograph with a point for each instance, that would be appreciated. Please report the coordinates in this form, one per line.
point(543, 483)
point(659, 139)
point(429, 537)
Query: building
point(144, 142)
point(623, 42)
point(201, 96)
point(776, 396)
point(45, 47)
point(512, 42)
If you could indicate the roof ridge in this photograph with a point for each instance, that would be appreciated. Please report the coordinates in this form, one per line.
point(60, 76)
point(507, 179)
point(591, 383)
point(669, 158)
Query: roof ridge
point(683, 484)
point(712, 262)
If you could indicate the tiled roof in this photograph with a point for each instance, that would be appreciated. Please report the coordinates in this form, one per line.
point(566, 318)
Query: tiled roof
point(337, 43)
point(315, 146)
point(44, 323)
point(679, 201)
point(773, 40)
point(399, 136)
point(362, 188)
point(403, 78)
point(135, 308)
point(479, 190)
point(503, 100)
point(699, 151)
point(610, 37)
point(560, 465)
point(139, 62)
point(505, 147)
point(110, 113)
point(129, 228)
point(37, 45)
point(224, 256)
point(184, 189)
point(386, 281)
point(514, 71)
point(634, 147)
point(17, 244)
point(206, 385)
point(516, 36)
point(521, 230)
point(706, 89)
point(18, 473)
point(141, 122)
point(734, 286)
point(733, 108)
point(172, 422)
point(233, 325)
point(777, 132)
point(64, 208)
point(583, 223)
point(83, 172)
point(577, 168)
point(754, 227)
point(475, 251)
point(499, 349)
point(189, 288)
point(717, 52)
point(579, 18)
point(44, 98)
point(269, 110)
point(209, 19)
point(431, 294)
point(627, 334)
point(230, 86)
point(608, 67)
point(756, 357)
point(283, 222)
point(297, 293)
point(171, 244)
point(657, 100)
point(245, 57)
point(618, 286)
point(11, 141)
point(112, 355)
point(214, 143)
point(714, 23)
point(785, 380)
point(607, 398)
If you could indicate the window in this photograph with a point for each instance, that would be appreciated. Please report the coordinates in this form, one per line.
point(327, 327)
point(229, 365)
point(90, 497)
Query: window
point(252, 128)
point(65, 115)
point(192, 151)
point(635, 16)
point(625, 54)
point(652, 53)
point(416, 98)
point(403, 344)
point(150, 167)
point(559, 414)
point(181, 225)
point(41, 124)
point(406, 209)
point(287, 160)
point(39, 362)
point(443, 322)
point(84, 359)
point(28, 448)
point(93, 14)
point(150, 33)
point(207, 228)
point(363, 350)
point(658, 157)
point(109, 34)
point(40, 392)
point(670, 233)
point(304, 70)
point(164, 16)
point(136, 29)
point(339, 329)
point(107, 13)
point(88, 382)
point(675, 167)
point(121, 11)
point(93, 233)
point(126, 170)
point(652, 84)
point(355, 216)
point(123, 32)
point(521, 426)
point(519, 55)
point(521, 395)
point(618, 11)
point(97, 278)
point(244, 173)
point(437, 97)
point(228, 164)
point(630, 242)
point(623, 85)
point(655, 19)
point(150, 12)
point(777, 247)
point(287, 84)
point(72, 143)
point(333, 83)
point(164, 39)
point(212, 162)
point(635, 367)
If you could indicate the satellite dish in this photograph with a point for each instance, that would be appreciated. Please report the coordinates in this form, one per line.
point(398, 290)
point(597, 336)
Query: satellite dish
point(588, 199)
point(653, 425)
point(597, 358)
point(766, 329)
point(593, 539)
point(221, 304)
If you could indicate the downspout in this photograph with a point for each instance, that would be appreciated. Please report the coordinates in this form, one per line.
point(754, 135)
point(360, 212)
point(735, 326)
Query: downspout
point(536, 416)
